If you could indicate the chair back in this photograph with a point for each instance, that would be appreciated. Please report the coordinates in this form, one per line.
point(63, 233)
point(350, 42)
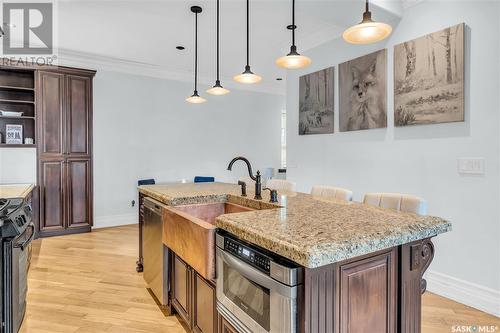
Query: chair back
point(150, 181)
point(202, 179)
point(331, 192)
point(280, 184)
point(398, 201)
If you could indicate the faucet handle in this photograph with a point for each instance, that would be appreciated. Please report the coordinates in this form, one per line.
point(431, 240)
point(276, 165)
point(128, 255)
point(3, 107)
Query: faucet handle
point(243, 188)
point(273, 194)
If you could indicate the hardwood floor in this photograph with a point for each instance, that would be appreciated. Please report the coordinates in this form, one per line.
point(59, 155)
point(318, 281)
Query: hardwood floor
point(88, 283)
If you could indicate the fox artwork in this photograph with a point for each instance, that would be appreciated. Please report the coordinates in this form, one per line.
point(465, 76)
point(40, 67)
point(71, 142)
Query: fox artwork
point(363, 101)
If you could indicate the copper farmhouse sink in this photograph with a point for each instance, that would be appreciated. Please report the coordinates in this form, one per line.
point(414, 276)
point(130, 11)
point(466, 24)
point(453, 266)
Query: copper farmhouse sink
point(189, 231)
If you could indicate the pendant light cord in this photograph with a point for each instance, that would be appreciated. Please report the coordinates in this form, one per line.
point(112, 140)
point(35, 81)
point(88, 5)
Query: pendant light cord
point(293, 23)
point(218, 41)
point(248, 33)
point(195, 52)
point(366, 5)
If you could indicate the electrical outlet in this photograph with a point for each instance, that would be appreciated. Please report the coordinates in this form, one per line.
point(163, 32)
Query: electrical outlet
point(471, 166)
point(132, 203)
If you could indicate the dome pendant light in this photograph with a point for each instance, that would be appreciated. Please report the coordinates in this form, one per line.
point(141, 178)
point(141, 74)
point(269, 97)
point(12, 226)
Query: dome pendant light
point(195, 98)
point(247, 77)
point(217, 89)
point(293, 60)
point(367, 31)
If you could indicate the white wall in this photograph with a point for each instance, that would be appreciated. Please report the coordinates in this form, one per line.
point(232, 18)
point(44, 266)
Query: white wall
point(17, 165)
point(143, 128)
point(423, 159)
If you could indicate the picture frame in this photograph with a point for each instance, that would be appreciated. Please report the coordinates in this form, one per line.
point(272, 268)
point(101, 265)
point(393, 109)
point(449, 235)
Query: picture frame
point(13, 134)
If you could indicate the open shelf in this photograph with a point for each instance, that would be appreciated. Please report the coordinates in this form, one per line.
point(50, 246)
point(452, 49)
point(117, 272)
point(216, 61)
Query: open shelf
point(10, 117)
point(17, 93)
point(4, 145)
point(16, 88)
point(16, 101)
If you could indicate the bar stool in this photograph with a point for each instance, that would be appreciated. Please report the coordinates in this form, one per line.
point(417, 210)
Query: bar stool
point(398, 201)
point(331, 192)
point(280, 184)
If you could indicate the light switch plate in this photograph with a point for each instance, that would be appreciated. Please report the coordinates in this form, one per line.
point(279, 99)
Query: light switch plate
point(471, 166)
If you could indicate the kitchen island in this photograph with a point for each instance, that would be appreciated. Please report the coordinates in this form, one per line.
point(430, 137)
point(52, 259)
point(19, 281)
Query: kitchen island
point(362, 266)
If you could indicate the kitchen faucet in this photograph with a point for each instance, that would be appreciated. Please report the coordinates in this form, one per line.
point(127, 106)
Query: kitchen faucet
point(256, 178)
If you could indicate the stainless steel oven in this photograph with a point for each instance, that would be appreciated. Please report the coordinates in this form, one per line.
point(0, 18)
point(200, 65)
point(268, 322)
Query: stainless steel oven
point(257, 291)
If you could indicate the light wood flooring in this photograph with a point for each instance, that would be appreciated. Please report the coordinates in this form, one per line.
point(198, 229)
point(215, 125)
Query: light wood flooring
point(88, 283)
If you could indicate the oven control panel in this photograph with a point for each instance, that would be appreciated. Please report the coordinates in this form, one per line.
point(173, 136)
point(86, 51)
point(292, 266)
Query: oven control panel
point(248, 254)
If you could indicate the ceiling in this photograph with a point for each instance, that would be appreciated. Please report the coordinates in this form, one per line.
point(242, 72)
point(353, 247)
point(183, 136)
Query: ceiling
point(140, 36)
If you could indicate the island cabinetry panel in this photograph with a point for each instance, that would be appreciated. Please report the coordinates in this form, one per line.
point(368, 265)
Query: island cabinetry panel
point(368, 294)
point(356, 295)
point(415, 258)
point(193, 297)
point(64, 119)
point(225, 326)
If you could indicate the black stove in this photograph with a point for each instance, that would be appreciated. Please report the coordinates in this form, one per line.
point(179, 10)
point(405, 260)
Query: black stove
point(17, 231)
point(15, 215)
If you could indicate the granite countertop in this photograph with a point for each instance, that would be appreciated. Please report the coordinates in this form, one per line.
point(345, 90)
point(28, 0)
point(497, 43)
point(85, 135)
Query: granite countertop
point(8, 191)
point(308, 230)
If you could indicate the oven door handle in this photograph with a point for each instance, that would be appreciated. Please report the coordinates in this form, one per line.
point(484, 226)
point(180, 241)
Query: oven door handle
point(26, 242)
point(256, 276)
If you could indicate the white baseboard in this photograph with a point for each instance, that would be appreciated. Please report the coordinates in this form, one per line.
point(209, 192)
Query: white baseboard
point(114, 220)
point(471, 294)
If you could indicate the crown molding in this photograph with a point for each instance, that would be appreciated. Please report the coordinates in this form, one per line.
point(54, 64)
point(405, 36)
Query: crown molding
point(98, 62)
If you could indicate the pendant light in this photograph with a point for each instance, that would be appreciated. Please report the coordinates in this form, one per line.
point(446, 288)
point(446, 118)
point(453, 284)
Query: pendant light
point(248, 76)
point(367, 31)
point(293, 60)
point(217, 89)
point(195, 98)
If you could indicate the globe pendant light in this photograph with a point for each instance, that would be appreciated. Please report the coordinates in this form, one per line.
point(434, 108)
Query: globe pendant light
point(293, 60)
point(248, 77)
point(367, 31)
point(217, 89)
point(195, 98)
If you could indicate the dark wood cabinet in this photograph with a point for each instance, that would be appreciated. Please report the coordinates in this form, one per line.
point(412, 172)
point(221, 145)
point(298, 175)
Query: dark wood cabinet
point(204, 307)
point(64, 118)
point(78, 189)
point(193, 298)
point(79, 116)
point(368, 294)
point(225, 326)
point(51, 174)
point(50, 113)
point(181, 289)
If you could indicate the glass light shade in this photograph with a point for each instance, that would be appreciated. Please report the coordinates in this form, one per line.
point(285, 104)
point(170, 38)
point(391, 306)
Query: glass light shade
point(195, 99)
point(367, 32)
point(218, 90)
point(247, 78)
point(292, 61)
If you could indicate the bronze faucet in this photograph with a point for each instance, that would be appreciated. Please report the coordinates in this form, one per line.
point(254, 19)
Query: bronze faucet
point(256, 178)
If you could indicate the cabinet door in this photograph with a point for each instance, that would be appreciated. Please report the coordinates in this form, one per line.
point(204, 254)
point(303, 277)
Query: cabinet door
point(182, 289)
point(50, 115)
point(52, 195)
point(205, 314)
point(79, 193)
point(225, 326)
point(78, 114)
point(368, 294)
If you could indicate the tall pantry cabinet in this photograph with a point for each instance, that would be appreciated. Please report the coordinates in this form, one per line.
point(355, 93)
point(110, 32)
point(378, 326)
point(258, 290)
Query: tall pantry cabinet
point(64, 132)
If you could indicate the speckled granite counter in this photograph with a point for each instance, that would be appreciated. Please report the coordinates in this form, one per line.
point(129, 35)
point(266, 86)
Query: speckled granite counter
point(310, 231)
point(8, 191)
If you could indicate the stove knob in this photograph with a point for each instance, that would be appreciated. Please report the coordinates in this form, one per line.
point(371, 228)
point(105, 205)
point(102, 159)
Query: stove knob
point(19, 221)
